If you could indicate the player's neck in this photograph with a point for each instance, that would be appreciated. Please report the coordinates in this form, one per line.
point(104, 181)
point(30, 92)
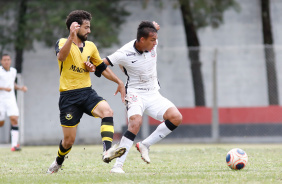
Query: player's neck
point(78, 42)
point(138, 46)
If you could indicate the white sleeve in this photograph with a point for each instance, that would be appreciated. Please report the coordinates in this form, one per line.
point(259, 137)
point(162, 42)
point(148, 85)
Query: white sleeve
point(116, 58)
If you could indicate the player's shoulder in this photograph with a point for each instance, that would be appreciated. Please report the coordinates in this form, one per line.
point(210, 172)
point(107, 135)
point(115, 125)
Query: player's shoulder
point(12, 69)
point(127, 48)
point(61, 40)
point(90, 44)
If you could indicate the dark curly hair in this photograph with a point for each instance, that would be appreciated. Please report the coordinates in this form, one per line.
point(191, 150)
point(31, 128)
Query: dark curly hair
point(144, 29)
point(77, 16)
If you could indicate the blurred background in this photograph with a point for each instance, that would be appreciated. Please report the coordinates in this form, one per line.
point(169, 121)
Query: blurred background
point(219, 62)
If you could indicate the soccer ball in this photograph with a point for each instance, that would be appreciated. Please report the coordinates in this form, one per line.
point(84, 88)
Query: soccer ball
point(236, 159)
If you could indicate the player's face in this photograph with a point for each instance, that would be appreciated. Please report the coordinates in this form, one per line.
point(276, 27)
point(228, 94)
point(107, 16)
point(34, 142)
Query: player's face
point(6, 62)
point(151, 41)
point(84, 30)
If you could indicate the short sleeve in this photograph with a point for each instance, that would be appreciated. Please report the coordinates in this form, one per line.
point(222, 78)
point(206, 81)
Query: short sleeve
point(95, 57)
point(116, 58)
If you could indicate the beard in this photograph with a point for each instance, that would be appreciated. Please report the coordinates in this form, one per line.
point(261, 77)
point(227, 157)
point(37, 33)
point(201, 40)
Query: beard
point(82, 37)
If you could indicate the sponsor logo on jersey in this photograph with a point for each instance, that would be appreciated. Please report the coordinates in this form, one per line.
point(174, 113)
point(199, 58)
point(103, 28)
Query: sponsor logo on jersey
point(68, 116)
point(133, 61)
point(130, 54)
point(77, 69)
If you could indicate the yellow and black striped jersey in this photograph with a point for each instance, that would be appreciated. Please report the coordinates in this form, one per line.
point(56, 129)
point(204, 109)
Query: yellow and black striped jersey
point(73, 73)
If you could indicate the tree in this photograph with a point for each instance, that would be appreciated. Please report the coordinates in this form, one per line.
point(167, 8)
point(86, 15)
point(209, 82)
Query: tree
point(269, 53)
point(197, 14)
point(25, 21)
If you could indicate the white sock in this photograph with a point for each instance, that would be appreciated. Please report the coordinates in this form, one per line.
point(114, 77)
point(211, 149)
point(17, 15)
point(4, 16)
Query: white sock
point(14, 137)
point(161, 132)
point(127, 143)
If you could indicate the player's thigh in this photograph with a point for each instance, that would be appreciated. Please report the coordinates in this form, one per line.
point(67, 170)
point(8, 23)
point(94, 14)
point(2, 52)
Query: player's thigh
point(12, 108)
point(70, 115)
point(157, 106)
point(134, 105)
point(102, 110)
point(97, 106)
point(2, 112)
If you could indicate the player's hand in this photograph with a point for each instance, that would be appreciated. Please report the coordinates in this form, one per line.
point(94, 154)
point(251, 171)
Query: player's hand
point(90, 67)
point(121, 89)
point(7, 89)
point(157, 26)
point(74, 29)
point(24, 88)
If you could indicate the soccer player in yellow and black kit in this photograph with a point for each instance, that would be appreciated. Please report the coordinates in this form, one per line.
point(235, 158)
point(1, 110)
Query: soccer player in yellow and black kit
point(76, 94)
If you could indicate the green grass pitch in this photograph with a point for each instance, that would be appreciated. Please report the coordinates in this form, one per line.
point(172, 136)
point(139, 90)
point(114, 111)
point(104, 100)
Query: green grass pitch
point(170, 163)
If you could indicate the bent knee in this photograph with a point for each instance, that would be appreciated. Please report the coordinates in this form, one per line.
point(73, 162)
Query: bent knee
point(107, 113)
point(176, 119)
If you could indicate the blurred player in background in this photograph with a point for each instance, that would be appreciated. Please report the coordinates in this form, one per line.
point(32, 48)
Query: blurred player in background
point(8, 103)
point(138, 60)
point(76, 94)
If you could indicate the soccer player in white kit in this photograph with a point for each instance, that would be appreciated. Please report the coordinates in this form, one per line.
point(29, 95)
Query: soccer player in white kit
point(8, 103)
point(138, 60)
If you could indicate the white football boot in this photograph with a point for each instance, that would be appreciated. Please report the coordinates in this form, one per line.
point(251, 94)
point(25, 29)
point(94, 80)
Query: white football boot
point(54, 168)
point(113, 153)
point(117, 169)
point(144, 152)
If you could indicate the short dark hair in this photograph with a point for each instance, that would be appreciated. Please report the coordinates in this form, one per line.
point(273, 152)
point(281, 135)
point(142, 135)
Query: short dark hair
point(77, 16)
point(144, 29)
point(4, 55)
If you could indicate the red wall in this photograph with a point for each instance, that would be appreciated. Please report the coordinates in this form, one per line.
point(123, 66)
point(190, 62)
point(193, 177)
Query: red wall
point(230, 115)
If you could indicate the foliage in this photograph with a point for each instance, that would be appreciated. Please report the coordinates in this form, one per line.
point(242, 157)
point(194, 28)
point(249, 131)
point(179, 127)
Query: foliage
point(209, 13)
point(45, 21)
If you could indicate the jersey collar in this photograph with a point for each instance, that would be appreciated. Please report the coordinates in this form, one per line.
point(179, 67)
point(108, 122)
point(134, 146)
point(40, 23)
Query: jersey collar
point(138, 51)
point(5, 69)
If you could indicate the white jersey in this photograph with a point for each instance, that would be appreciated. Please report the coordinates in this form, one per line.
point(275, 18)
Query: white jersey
point(140, 68)
point(7, 79)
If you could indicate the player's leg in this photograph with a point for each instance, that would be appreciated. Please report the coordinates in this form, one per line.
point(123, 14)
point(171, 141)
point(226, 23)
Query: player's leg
point(104, 111)
point(70, 115)
point(13, 114)
point(162, 110)
point(15, 146)
point(135, 111)
point(64, 148)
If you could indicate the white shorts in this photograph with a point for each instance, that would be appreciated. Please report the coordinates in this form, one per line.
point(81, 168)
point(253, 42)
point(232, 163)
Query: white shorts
point(10, 107)
point(151, 103)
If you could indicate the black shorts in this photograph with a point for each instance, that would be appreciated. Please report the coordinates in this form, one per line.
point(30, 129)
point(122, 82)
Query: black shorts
point(74, 103)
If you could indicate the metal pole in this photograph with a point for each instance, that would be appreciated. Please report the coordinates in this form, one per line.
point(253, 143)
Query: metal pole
point(215, 123)
point(20, 101)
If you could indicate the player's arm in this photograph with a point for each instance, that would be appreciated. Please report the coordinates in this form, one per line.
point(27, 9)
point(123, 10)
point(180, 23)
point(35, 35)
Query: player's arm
point(22, 88)
point(111, 76)
point(5, 89)
point(157, 26)
point(65, 50)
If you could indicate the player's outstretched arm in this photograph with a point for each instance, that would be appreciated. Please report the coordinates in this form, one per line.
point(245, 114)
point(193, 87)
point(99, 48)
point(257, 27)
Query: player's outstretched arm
point(111, 76)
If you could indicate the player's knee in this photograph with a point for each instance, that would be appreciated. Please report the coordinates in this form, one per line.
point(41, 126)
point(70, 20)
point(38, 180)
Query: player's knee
point(14, 120)
point(68, 142)
point(176, 118)
point(2, 123)
point(135, 123)
point(108, 113)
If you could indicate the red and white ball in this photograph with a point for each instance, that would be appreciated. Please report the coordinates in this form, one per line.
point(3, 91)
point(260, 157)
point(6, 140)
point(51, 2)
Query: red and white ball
point(237, 159)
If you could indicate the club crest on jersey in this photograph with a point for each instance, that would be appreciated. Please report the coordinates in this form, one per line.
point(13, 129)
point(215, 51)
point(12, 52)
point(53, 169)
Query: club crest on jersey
point(153, 53)
point(68, 116)
point(134, 98)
